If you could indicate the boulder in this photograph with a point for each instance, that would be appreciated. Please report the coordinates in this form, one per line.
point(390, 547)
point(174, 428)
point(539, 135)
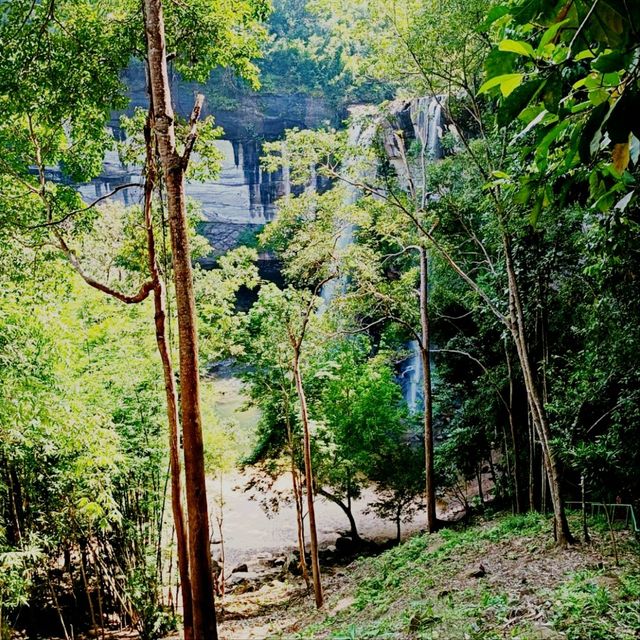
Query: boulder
point(345, 546)
point(241, 568)
point(242, 578)
point(279, 561)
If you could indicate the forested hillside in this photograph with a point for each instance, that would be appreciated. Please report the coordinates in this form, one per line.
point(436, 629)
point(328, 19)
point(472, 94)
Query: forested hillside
point(448, 330)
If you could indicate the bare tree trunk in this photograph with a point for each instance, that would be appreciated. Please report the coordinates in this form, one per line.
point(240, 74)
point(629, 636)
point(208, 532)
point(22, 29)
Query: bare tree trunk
point(159, 301)
point(204, 617)
point(425, 348)
point(536, 402)
point(347, 511)
point(512, 429)
point(297, 496)
point(308, 471)
point(87, 590)
point(479, 481)
point(532, 455)
point(585, 529)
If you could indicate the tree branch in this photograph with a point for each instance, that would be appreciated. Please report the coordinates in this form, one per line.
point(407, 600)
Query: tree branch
point(193, 130)
point(142, 294)
point(68, 215)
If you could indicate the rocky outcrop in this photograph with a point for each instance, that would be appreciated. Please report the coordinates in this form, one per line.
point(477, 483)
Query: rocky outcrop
point(244, 195)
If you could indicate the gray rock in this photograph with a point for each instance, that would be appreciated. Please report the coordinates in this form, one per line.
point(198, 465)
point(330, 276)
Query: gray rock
point(279, 561)
point(242, 577)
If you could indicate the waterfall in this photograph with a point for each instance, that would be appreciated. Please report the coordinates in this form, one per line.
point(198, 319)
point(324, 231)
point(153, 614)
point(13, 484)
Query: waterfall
point(286, 172)
point(411, 378)
point(422, 119)
point(426, 117)
point(360, 135)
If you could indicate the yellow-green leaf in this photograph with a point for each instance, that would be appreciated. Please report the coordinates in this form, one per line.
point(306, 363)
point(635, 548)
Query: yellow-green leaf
point(551, 32)
point(517, 46)
point(513, 81)
point(507, 83)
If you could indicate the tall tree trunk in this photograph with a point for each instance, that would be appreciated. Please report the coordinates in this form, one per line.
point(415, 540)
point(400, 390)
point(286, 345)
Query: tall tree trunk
point(479, 481)
point(308, 472)
point(512, 430)
point(297, 493)
point(159, 301)
point(347, 511)
point(202, 593)
point(425, 348)
point(536, 402)
point(532, 456)
point(297, 496)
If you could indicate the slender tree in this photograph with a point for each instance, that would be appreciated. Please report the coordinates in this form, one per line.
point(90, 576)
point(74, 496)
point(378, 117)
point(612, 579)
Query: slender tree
point(160, 315)
point(174, 166)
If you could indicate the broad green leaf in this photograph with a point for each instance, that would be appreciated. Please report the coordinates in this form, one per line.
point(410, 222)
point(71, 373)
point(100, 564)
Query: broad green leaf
point(581, 106)
point(536, 210)
point(510, 83)
point(492, 83)
point(495, 13)
point(515, 103)
point(517, 46)
point(584, 55)
point(551, 32)
point(610, 62)
point(499, 62)
point(598, 96)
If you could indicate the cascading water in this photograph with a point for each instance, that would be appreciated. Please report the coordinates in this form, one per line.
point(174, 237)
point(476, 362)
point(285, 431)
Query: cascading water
point(411, 378)
point(360, 135)
point(427, 121)
point(426, 117)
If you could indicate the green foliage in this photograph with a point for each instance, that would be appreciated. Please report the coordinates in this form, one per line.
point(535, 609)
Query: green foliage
point(216, 292)
point(364, 434)
point(416, 47)
point(16, 578)
point(587, 607)
point(575, 88)
point(153, 619)
point(81, 435)
point(302, 53)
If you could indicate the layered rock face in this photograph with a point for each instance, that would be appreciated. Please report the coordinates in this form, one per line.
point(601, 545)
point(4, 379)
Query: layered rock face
point(243, 198)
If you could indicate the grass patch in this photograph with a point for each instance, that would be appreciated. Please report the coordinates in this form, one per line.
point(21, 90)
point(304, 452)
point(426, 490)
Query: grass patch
point(596, 606)
point(429, 588)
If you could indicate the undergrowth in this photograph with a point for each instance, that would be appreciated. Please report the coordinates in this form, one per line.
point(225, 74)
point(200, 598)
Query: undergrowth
point(437, 587)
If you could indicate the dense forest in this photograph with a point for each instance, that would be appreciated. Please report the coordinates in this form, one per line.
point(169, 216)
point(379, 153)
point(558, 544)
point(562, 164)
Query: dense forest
point(447, 335)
